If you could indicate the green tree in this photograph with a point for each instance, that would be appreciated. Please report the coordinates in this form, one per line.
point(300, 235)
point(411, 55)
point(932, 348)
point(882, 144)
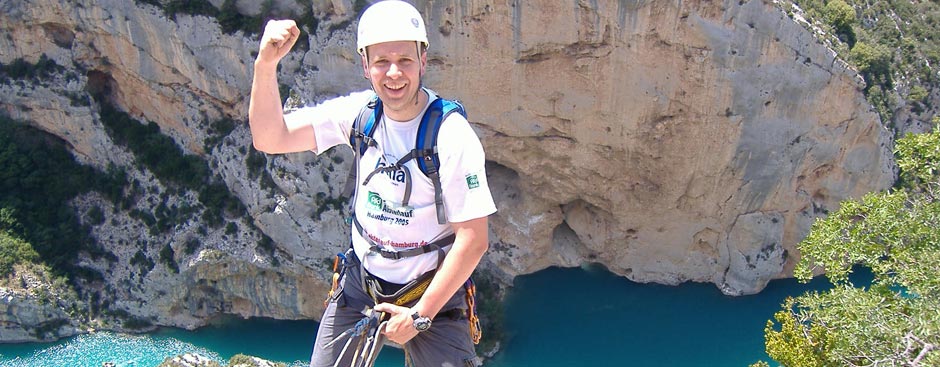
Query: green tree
point(841, 16)
point(894, 321)
point(873, 62)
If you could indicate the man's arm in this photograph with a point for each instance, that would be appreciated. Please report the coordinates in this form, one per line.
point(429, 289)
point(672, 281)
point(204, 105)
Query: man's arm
point(269, 132)
point(470, 245)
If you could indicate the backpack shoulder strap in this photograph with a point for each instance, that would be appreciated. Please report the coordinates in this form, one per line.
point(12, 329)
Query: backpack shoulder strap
point(360, 138)
point(426, 146)
point(364, 126)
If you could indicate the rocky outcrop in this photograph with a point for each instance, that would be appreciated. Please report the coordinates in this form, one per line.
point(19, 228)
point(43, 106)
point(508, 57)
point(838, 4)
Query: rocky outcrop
point(669, 141)
point(35, 308)
point(27, 319)
point(196, 360)
point(189, 360)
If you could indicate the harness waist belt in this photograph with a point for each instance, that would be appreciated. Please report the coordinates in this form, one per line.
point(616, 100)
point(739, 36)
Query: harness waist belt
point(396, 255)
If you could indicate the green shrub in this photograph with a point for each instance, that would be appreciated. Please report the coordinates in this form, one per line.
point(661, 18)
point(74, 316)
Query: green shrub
point(266, 242)
point(232, 21)
point(872, 60)
point(231, 228)
point(21, 69)
point(14, 251)
point(218, 201)
point(917, 94)
point(841, 17)
point(145, 217)
point(143, 262)
point(325, 202)
point(168, 258)
point(217, 132)
point(191, 246)
point(191, 7)
point(95, 216)
point(255, 161)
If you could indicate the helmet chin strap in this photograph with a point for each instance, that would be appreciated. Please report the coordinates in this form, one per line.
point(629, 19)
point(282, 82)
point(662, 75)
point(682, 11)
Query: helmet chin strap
point(420, 75)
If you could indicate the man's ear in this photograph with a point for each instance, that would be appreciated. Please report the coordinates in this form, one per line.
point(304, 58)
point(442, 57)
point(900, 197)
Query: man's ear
point(424, 61)
point(365, 67)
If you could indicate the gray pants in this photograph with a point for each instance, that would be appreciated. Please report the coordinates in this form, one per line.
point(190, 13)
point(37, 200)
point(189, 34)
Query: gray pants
point(446, 344)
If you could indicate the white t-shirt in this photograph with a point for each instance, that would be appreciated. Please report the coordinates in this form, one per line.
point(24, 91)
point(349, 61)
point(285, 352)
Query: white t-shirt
point(378, 204)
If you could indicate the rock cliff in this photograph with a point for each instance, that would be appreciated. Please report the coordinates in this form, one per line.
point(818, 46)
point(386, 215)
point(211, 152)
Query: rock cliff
point(35, 307)
point(670, 141)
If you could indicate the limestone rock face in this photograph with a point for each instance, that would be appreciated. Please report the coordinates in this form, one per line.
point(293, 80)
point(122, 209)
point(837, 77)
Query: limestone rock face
point(669, 141)
point(34, 307)
point(28, 319)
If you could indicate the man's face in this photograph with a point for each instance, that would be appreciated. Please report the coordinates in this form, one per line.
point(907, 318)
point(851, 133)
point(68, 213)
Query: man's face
point(395, 69)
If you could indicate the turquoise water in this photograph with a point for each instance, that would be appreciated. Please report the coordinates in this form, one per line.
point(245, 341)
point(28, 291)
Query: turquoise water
point(556, 317)
point(599, 319)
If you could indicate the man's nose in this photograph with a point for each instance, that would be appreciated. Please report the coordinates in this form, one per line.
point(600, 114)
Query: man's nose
point(393, 71)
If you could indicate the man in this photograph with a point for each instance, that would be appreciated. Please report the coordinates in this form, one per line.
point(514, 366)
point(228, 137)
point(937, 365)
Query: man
point(390, 215)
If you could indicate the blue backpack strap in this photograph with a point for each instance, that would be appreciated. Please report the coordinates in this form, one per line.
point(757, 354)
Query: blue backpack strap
point(360, 138)
point(426, 146)
point(364, 126)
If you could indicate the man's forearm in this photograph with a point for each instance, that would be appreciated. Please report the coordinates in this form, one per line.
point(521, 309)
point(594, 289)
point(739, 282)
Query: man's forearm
point(470, 245)
point(265, 114)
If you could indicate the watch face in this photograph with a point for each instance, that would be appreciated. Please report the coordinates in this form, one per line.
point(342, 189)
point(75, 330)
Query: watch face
point(422, 323)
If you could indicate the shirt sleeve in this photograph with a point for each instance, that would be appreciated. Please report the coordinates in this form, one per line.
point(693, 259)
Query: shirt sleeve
point(332, 120)
point(463, 171)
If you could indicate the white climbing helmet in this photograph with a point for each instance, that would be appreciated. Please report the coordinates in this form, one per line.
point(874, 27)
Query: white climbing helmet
point(388, 21)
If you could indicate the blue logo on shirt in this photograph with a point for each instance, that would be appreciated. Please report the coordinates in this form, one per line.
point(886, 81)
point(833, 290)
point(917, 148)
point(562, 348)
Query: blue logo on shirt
point(396, 175)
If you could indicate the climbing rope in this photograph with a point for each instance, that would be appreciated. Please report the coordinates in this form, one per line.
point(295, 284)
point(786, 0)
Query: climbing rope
point(368, 333)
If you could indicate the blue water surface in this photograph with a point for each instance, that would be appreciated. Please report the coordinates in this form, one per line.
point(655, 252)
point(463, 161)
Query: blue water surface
point(556, 317)
point(577, 317)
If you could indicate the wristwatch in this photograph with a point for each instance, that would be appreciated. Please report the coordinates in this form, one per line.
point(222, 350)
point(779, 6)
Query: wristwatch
point(421, 323)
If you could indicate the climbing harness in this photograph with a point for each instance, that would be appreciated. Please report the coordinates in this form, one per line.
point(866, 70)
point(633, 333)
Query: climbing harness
point(369, 330)
point(396, 255)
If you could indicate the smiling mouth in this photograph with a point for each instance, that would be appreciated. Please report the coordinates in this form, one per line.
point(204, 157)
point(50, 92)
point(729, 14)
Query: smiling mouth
point(395, 86)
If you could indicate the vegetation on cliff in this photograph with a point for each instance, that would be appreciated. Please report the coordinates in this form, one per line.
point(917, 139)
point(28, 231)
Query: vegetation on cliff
point(894, 321)
point(38, 179)
point(894, 45)
point(40, 235)
point(42, 232)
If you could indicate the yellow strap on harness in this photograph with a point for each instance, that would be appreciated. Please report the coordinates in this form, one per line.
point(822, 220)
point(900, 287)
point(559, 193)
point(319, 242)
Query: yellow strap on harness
point(414, 293)
point(408, 294)
point(329, 296)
